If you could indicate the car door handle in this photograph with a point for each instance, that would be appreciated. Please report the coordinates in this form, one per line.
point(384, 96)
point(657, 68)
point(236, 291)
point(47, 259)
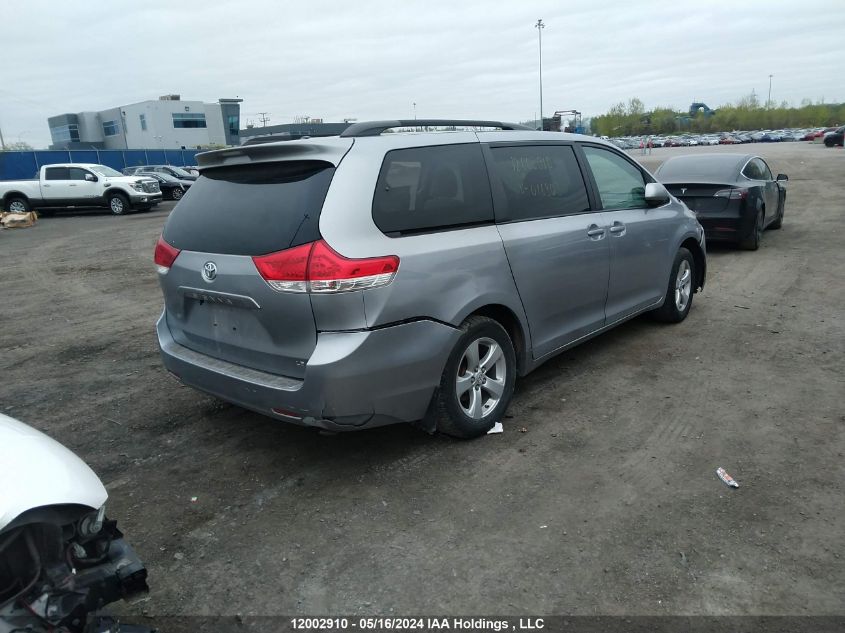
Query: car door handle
point(617, 228)
point(595, 232)
point(72, 185)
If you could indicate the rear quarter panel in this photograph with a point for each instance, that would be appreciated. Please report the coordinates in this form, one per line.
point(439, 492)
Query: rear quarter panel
point(443, 276)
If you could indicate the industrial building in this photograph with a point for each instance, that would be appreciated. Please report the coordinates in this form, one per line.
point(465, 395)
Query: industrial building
point(168, 122)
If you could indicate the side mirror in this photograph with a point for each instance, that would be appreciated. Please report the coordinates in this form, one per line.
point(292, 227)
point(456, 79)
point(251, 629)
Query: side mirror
point(782, 177)
point(656, 194)
point(90, 178)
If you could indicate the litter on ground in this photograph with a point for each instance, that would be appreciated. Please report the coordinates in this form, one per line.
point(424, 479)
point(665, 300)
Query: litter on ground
point(724, 476)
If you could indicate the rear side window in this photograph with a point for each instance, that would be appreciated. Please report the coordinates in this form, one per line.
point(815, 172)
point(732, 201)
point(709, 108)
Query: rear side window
point(756, 169)
point(57, 173)
point(540, 181)
point(430, 188)
point(620, 184)
point(752, 170)
point(251, 209)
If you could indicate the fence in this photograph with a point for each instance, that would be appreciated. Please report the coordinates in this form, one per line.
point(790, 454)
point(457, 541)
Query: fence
point(14, 165)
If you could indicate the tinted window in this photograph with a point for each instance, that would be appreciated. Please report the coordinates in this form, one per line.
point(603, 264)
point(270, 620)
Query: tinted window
point(752, 170)
point(764, 168)
point(78, 174)
point(620, 184)
point(429, 188)
point(540, 181)
point(251, 209)
point(56, 173)
point(188, 119)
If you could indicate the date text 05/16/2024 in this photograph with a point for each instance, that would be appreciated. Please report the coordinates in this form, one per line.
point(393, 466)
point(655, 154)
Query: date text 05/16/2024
point(469, 625)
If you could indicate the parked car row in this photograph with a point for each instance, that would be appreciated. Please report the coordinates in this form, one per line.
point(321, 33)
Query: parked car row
point(187, 174)
point(723, 138)
point(83, 185)
point(80, 185)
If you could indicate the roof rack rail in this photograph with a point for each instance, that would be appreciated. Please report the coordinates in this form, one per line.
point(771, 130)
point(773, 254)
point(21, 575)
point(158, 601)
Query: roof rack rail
point(374, 128)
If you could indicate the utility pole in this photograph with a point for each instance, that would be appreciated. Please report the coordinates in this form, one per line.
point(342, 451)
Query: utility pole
point(415, 110)
point(769, 100)
point(2, 142)
point(540, 26)
point(263, 118)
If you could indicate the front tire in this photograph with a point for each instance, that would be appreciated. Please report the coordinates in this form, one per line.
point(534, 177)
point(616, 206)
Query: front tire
point(118, 204)
point(477, 383)
point(679, 293)
point(176, 194)
point(17, 204)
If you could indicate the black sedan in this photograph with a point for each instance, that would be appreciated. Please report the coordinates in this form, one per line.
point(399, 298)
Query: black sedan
point(832, 139)
point(172, 188)
point(733, 195)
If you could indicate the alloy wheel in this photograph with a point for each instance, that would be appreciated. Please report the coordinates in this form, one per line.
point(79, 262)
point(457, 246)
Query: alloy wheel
point(683, 285)
point(116, 205)
point(480, 380)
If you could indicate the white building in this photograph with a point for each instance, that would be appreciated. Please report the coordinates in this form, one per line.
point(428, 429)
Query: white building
point(166, 123)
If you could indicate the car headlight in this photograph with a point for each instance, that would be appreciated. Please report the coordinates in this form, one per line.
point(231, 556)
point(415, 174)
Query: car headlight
point(138, 186)
point(91, 524)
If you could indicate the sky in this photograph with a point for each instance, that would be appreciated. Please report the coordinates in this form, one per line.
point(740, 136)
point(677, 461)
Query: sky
point(369, 59)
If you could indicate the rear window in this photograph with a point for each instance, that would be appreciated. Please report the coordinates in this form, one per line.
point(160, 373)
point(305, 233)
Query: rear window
point(717, 168)
point(424, 189)
point(251, 209)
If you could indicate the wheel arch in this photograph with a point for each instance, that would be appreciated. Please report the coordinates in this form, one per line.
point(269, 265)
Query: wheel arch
point(508, 319)
point(15, 194)
point(700, 258)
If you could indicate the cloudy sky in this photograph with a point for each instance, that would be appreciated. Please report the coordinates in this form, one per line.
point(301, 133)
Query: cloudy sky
point(373, 59)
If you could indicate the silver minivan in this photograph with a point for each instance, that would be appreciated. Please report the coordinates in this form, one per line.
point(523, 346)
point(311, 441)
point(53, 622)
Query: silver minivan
point(390, 275)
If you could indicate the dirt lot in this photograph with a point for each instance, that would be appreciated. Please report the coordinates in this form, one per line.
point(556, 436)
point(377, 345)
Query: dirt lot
point(599, 498)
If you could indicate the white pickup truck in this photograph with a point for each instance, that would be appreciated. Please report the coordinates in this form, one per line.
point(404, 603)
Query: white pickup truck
point(75, 185)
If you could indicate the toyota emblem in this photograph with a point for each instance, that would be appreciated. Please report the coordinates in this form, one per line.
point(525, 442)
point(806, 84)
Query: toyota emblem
point(209, 271)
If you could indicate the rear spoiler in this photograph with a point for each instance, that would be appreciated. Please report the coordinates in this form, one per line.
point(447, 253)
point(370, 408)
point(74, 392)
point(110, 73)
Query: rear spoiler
point(329, 149)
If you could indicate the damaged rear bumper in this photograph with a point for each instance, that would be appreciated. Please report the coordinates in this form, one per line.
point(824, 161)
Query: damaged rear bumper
point(353, 380)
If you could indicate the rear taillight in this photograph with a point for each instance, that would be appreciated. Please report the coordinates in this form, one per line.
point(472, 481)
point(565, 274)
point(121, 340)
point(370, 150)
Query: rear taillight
point(732, 194)
point(165, 255)
point(316, 268)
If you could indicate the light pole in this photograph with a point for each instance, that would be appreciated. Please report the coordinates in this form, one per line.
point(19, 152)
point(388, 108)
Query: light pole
point(415, 110)
point(540, 26)
point(769, 100)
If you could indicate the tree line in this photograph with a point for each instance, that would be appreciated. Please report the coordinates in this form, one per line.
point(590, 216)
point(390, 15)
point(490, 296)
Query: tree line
point(632, 119)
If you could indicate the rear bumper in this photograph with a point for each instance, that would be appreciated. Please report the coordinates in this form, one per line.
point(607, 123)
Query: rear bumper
point(731, 225)
point(353, 380)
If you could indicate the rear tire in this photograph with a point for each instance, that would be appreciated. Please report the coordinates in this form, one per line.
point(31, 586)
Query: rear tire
point(118, 204)
point(752, 242)
point(478, 380)
point(779, 221)
point(17, 204)
point(679, 293)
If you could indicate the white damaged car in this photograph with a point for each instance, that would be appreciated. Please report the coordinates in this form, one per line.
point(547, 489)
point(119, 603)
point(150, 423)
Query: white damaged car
point(61, 558)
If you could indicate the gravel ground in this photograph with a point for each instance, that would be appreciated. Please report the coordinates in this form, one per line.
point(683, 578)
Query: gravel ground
point(599, 498)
